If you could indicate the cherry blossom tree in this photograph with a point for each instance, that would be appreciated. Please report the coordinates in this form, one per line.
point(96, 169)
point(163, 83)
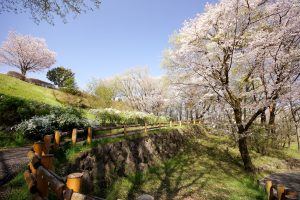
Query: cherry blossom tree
point(26, 53)
point(140, 90)
point(244, 52)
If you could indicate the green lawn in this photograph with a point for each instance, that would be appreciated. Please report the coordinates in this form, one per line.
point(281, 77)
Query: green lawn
point(14, 87)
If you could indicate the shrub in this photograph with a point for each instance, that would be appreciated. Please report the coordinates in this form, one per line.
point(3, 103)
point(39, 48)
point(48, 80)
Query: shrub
point(40, 83)
point(16, 75)
point(58, 119)
point(114, 117)
point(13, 110)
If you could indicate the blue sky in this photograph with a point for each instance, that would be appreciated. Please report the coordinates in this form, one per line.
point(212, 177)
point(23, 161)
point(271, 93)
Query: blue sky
point(121, 34)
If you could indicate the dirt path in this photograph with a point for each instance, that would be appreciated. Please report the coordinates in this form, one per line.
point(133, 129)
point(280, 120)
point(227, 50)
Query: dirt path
point(11, 161)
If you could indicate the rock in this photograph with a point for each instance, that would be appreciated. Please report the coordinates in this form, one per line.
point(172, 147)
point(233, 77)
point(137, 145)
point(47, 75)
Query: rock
point(145, 197)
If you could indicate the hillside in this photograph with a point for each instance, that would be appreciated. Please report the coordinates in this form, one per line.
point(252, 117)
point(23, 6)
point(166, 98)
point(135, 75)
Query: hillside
point(16, 88)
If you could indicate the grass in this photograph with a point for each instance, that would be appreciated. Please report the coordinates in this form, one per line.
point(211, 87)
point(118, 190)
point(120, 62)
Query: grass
point(12, 139)
point(203, 171)
point(14, 87)
point(209, 168)
point(16, 189)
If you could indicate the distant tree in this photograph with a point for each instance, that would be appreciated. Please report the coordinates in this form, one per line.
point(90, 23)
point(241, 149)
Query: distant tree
point(71, 86)
point(26, 53)
point(48, 9)
point(141, 91)
point(61, 76)
point(104, 90)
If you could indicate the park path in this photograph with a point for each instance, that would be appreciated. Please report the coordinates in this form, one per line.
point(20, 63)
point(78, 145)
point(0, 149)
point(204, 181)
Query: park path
point(11, 161)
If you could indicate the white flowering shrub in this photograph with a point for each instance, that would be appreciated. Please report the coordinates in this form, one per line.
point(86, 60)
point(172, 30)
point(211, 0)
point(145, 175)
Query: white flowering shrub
point(114, 117)
point(58, 119)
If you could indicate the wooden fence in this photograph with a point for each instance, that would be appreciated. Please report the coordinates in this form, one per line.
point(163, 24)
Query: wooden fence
point(40, 176)
point(279, 192)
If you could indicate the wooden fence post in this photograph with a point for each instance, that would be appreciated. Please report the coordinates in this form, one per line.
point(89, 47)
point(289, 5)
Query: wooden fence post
point(74, 181)
point(194, 122)
point(30, 181)
point(171, 123)
point(56, 139)
point(38, 148)
point(280, 191)
point(145, 130)
point(268, 187)
point(90, 135)
point(47, 142)
point(74, 136)
point(47, 161)
point(180, 123)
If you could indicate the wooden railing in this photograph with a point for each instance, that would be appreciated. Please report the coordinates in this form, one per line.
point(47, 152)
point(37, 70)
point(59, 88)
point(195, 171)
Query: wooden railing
point(40, 176)
point(41, 179)
point(279, 192)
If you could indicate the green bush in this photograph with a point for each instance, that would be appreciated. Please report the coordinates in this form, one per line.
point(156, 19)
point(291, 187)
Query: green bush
point(14, 110)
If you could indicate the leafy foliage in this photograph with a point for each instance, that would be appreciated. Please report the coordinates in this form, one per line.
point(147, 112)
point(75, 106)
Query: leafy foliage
point(58, 119)
point(14, 110)
point(60, 75)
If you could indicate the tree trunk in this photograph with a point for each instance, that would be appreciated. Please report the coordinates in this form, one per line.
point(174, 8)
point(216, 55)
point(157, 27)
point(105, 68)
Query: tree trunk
point(23, 71)
point(263, 118)
point(271, 127)
point(197, 114)
point(243, 148)
point(298, 137)
point(242, 141)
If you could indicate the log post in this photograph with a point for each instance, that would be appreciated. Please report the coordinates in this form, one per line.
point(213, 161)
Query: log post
point(90, 135)
point(145, 129)
point(47, 142)
point(74, 136)
point(30, 181)
point(268, 187)
point(171, 123)
point(74, 181)
point(280, 191)
point(56, 139)
point(38, 148)
point(47, 161)
point(180, 123)
point(194, 122)
point(46, 179)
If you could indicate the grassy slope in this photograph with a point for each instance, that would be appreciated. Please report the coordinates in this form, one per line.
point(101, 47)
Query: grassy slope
point(14, 87)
